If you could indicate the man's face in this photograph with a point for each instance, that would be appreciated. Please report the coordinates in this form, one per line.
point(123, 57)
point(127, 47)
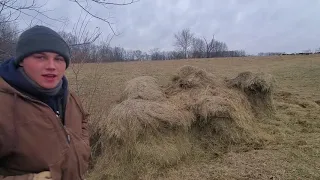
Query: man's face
point(45, 68)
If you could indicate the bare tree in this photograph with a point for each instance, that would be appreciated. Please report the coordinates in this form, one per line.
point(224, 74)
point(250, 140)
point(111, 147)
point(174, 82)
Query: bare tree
point(156, 54)
point(145, 56)
point(106, 4)
point(198, 48)
point(219, 48)
point(209, 46)
point(215, 48)
point(183, 41)
point(118, 54)
point(8, 39)
point(138, 55)
point(11, 10)
point(105, 52)
point(81, 39)
point(175, 55)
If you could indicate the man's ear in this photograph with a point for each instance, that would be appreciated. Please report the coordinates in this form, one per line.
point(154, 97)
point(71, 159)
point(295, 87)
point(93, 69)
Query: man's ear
point(21, 64)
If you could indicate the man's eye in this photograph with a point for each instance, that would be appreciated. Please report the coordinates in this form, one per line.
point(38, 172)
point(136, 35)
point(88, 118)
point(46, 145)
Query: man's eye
point(39, 57)
point(59, 59)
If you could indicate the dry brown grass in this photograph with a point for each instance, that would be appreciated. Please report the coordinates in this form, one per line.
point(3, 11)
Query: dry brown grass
point(291, 152)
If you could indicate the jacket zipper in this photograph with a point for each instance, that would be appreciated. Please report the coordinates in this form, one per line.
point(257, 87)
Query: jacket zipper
point(69, 141)
point(64, 130)
point(64, 127)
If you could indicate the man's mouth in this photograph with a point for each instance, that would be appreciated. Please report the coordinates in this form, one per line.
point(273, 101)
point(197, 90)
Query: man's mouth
point(49, 76)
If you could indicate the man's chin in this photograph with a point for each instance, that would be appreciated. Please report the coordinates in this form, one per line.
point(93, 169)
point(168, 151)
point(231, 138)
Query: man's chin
point(48, 85)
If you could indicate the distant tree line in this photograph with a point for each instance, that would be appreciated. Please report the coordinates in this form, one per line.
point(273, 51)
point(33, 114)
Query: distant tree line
point(84, 50)
point(191, 46)
point(306, 52)
point(270, 53)
point(8, 38)
point(186, 44)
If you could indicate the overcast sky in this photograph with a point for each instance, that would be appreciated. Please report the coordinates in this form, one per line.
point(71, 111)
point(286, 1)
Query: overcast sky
point(251, 25)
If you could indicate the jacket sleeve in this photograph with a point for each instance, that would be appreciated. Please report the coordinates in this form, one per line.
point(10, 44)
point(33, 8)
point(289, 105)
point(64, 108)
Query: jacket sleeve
point(21, 177)
point(7, 133)
point(6, 126)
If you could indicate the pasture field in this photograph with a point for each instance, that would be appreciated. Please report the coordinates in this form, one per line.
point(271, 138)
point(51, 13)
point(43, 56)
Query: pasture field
point(292, 150)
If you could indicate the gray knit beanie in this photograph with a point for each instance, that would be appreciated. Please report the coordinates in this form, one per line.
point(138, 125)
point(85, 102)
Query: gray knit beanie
point(41, 39)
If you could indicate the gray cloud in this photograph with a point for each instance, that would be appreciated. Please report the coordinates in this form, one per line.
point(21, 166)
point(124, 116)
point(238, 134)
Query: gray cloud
point(252, 25)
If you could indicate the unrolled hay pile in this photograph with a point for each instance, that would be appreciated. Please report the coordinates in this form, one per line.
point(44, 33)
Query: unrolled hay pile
point(224, 116)
point(258, 88)
point(153, 127)
point(144, 87)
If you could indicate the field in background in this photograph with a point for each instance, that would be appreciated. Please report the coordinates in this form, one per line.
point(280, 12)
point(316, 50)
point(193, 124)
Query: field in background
point(293, 154)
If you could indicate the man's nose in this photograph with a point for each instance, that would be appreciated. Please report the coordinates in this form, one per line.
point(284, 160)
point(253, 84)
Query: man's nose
point(51, 63)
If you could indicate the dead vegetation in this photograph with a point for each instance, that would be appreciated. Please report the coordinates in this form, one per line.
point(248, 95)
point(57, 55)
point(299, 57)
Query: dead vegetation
point(144, 87)
point(159, 127)
point(258, 88)
point(223, 135)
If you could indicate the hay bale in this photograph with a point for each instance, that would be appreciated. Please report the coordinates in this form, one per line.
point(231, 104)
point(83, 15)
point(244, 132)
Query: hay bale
point(258, 88)
point(192, 77)
point(139, 132)
point(223, 115)
point(214, 107)
point(135, 117)
point(143, 87)
point(254, 83)
point(182, 100)
point(222, 122)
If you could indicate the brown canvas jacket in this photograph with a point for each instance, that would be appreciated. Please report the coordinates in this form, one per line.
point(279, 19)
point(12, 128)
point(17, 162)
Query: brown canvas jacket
point(33, 139)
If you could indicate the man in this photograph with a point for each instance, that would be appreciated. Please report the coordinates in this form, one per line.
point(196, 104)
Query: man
point(43, 127)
